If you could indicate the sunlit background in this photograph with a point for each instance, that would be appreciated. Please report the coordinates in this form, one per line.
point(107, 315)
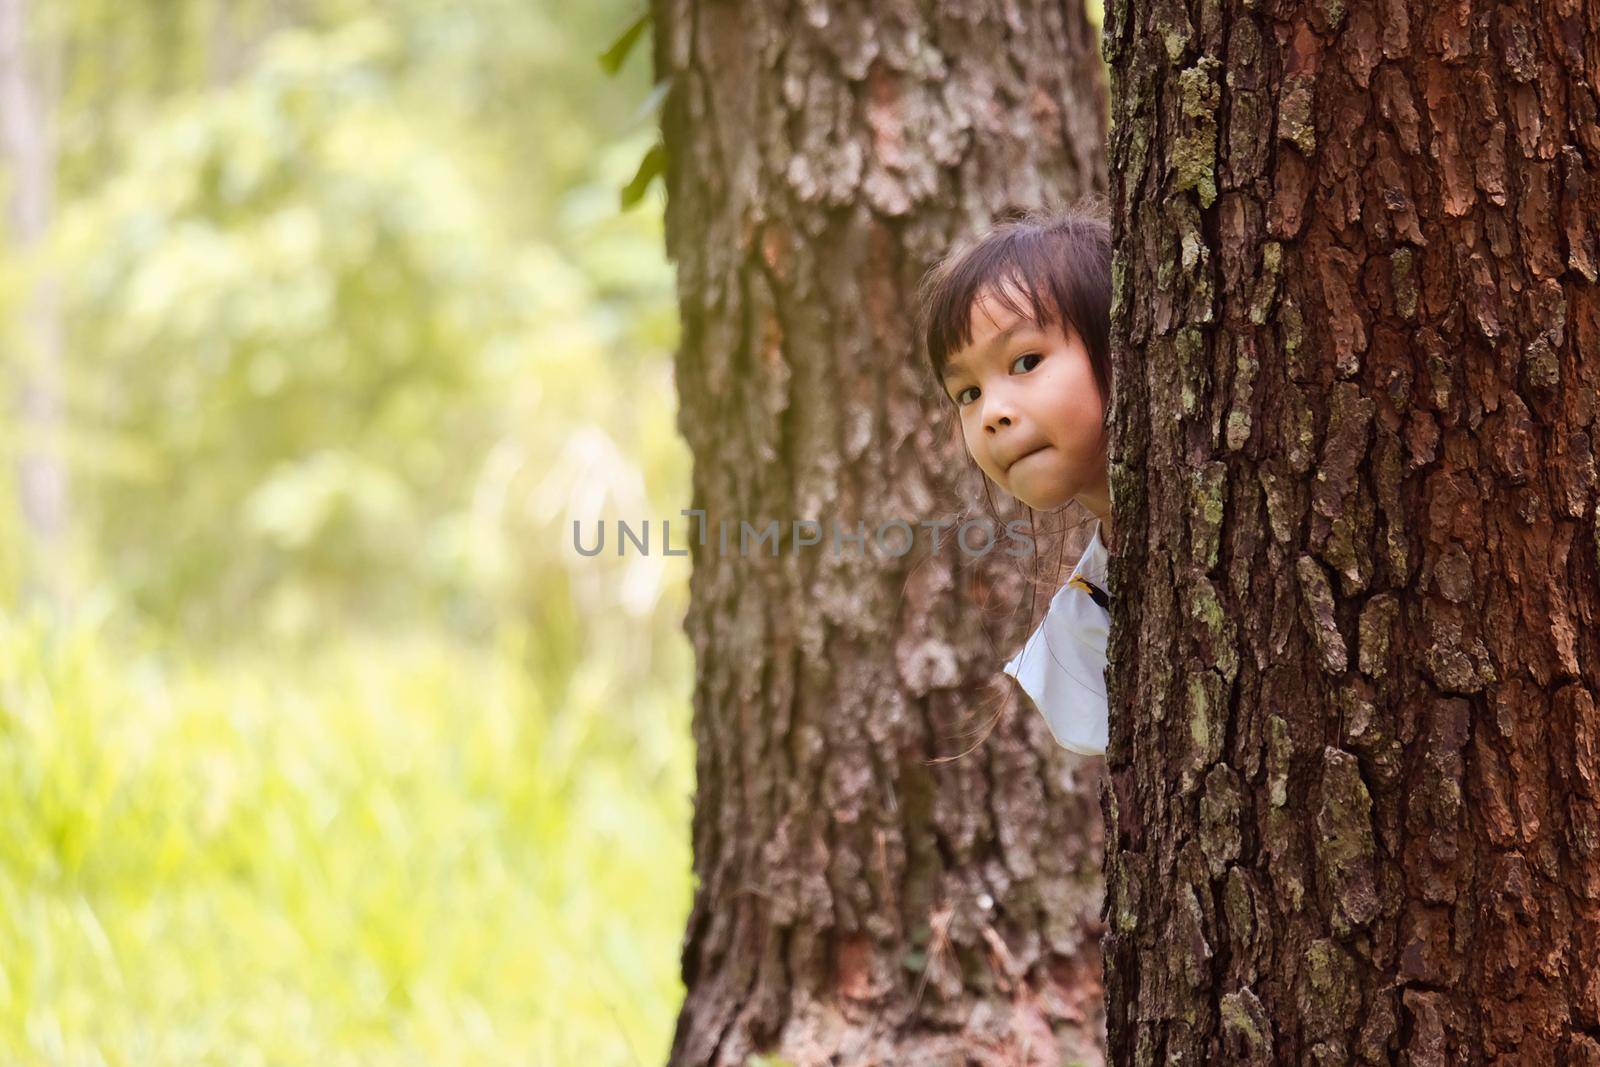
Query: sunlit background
point(319, 744)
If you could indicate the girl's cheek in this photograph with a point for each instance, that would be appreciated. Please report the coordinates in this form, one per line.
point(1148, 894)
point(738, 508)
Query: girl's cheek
point(973, 456)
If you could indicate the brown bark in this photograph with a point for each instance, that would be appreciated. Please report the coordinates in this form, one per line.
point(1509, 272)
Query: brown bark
point(1353, 761)
point(854, 899)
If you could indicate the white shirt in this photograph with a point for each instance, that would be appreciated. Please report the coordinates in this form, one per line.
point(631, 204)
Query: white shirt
point(1062, 666)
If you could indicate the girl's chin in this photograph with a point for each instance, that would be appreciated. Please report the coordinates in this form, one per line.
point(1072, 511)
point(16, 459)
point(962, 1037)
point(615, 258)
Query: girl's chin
point(1042, 489)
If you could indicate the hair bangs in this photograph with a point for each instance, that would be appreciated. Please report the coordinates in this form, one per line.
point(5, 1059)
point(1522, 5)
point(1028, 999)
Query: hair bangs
point(1048, 267)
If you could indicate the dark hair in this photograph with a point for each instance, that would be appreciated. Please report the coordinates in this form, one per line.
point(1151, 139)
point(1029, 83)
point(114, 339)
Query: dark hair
point(1060, 259)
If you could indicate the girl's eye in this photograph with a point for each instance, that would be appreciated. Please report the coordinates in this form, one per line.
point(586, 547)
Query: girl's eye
point(969, 389)
point(1031, 355)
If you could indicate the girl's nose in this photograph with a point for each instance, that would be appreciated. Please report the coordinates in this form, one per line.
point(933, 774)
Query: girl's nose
point(994, 423)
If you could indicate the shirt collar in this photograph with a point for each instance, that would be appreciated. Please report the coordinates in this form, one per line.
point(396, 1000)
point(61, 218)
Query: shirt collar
point(1092, 565)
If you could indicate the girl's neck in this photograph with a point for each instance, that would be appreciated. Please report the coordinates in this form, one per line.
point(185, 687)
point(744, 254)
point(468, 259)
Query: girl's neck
point(1098, 500)
point(1097, 497)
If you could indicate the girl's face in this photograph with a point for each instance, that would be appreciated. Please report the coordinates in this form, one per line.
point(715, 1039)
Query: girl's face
point(1030, 410)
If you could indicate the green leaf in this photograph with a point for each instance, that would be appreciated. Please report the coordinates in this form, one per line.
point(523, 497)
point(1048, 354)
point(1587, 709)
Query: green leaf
point(612, 58)
point(653, 163)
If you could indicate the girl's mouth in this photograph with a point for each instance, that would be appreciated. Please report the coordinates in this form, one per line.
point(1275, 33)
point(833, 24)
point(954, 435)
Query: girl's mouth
point(1025, 455)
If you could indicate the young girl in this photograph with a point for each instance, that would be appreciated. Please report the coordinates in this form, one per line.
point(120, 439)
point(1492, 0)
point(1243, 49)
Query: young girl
point(1017, 328)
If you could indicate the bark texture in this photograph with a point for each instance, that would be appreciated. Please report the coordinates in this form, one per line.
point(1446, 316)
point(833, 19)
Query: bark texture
point(857, 903)
point(1354, 767)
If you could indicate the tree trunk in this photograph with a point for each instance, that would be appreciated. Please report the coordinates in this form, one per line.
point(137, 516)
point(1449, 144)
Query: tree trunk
point(1355, 752)
point(27, 169)
point(854, 898)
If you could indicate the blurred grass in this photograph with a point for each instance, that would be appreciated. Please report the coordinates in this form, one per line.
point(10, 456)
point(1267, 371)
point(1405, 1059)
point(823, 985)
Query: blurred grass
point(334, 751)
point(399, 853)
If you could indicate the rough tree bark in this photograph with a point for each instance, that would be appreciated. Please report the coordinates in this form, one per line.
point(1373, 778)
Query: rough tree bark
point(854, 899)
point(1354, 768)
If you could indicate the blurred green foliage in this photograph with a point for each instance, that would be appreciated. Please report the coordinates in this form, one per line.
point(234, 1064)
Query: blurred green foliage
point(309, 305)
point(392, 854)
point(341, 753)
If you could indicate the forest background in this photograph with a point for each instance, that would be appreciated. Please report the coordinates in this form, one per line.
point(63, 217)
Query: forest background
point(318, 742)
